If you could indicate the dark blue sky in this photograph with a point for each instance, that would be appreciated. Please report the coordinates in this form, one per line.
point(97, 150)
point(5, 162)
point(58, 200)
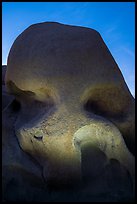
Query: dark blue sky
point(114, 20)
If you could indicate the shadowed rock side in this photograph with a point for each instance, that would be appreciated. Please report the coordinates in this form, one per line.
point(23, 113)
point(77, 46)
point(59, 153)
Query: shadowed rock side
point(3, 74)
point(73, 119)
point(6, 97)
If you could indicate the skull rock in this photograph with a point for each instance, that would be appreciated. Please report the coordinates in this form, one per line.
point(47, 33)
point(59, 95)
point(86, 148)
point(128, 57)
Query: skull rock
point(65, 79)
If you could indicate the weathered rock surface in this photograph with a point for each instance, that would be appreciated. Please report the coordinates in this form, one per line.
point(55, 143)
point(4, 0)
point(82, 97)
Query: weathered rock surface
point(74, 118)
point(46, 54)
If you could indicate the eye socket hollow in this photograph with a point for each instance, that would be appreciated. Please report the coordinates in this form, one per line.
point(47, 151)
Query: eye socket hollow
point(92, 106)
point(99, 108)
point(15, 105)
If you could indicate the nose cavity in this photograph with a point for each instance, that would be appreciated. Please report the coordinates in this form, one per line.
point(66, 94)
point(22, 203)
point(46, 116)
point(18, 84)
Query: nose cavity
point(93, 158)
point(102, 141)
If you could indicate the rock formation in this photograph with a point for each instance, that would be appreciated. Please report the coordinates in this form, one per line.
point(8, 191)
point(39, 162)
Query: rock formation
point(6, 98)
point(72, 118)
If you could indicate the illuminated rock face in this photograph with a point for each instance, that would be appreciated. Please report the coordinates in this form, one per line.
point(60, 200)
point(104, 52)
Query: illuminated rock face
point(73, 107)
